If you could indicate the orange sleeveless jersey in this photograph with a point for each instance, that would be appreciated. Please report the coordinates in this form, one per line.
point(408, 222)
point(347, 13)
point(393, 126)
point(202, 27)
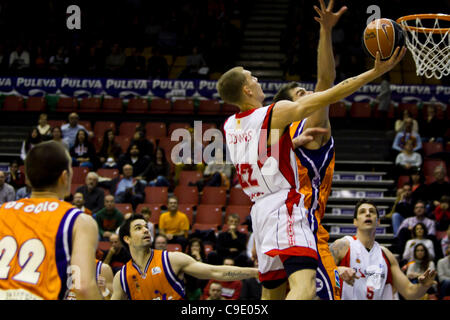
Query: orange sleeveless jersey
point(36, 246)
point(315, 171)
point(156, 282)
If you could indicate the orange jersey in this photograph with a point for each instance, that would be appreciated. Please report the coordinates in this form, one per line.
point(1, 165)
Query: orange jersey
point(315, 171)
point(156, 282)
point(36, 246)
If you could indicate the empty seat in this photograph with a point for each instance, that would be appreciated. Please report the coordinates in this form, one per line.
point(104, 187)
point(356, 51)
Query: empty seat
point(156, 129)
point(66, 104)
point(177, 125)
point(207, 213)
point(86, 124)
point(124, 208)
point(360, 110)
point(74, 187)
point(338, 110)
point(174, 247)
point(101, 126)
point(104, 245)
point(55, 123)
point(183, 106)
point(160, 106)
point(229, 109)
point(128, 128)
point(187, 194)
point(155, 209)
point(36, 104)
point(13, 103)
point(208, 125)
point(430, 148)
point(391, 112)
point(188, 210)
point(206, 107)
point(204, 226)
point(411, 107)
point(438, 111)
point(239, 197)
point(137, 105)
point(402, 180)
point(90, 105)
point(108, 173)
point(187, 176)
point(214, 195)
point(79, 174)
point(430, 164)
point(241, 210)
point(156, 195)
point(112, 105)
point(124, 142)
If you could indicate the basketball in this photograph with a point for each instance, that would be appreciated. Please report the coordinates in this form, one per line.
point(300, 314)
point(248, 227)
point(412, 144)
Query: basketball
point(382, 35)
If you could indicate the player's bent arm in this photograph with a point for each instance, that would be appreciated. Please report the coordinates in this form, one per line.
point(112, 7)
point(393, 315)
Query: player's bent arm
point(184, 263)
point(118, 293)
point(107, 273)
point(406, 288)
point(339, 249)
point(84, 240)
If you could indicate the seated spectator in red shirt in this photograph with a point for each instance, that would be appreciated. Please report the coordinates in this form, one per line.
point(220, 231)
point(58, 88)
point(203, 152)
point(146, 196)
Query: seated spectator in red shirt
point(231, 290)
point(442, 214)
point(117, 256)
point(16, 178)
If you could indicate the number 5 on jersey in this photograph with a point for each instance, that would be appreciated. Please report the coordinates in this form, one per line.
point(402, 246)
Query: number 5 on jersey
point(244, 171)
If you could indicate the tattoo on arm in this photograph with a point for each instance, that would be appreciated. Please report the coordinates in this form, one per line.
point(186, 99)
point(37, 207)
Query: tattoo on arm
point(234, 275)
point(338, 249)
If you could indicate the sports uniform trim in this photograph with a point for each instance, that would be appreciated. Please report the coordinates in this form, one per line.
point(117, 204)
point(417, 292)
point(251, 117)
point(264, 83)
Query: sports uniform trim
point(173, 280)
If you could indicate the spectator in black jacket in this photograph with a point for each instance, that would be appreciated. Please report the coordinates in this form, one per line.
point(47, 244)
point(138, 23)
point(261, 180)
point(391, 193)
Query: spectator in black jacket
point(158, 171)
point(94, 196)
point(83, 151)
point(135, 158)
point(110, 150)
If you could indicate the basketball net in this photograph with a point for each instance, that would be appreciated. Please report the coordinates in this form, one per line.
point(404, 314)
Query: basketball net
point(430, 47)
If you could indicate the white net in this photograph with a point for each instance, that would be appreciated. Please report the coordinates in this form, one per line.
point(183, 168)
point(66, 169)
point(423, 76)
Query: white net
point(430, 47)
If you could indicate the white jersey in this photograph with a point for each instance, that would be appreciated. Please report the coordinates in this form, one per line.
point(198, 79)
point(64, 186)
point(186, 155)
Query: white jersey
point(373, 269)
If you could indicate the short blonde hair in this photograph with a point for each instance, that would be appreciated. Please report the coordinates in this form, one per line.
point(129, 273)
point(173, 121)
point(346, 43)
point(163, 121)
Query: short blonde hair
point(230, 85)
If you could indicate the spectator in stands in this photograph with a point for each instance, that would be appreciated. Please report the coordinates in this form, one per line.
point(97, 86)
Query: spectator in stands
point(78, 201)
point(431, 127)
point(147, 214)
point(230, 289)
point(145, 146)
point(58, 62)
point(174, 224)
point(7, 192)
point(24, 192)
point(400, 123)
point(445, 241)
point(34, 137)
point(128, 189)
point(215, 291)
point(44, 128)
point(93, 195)
point(117, 256)
point(419, 235)
point(70, 130)
point(108, 219)
point(442, 214)
point(384, 99)
point(157, 172)
point(217, 172)
point(57, 136)
point(403, 207)
point(194, 286)
point(439, 187)
point(135, 64)
point(251, 288)
point(420, 264)
point(39, 61)
point(195, 66)
point(405, 135)
point(134, 157)
point(110, 150)
point(407, 161)
point(157, 65)
point(19, 60)
point(160, 242)
point(83, 151)
point(419, 188)
point(186, 160)
point(16, 178)
point(443, 270)
point(115, 61)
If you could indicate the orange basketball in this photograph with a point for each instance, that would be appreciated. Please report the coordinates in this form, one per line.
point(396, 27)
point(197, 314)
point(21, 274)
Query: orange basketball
point(382, 35)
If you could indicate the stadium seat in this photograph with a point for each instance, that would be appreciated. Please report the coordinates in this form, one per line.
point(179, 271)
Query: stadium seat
point(74, 187)
point(208, 248)
point(360, 110)
point(391, 112)
point(86, 124)
point(167, 144)
point(183, 106)
point(160, 106)
point(188, 210)
point(186, 194)
point(187, 176)
point(239, 197)
point(66, 104)
point(430, 148)
point(205, 226)
point(338, 110)
point(90, 105)
point(101, 126)
point(156, 195)
point(411, 107)
point(242, 210)
point(112, 105)
point(97, 141)
point(430, 164)
point(124, 142)
point(229, 109)
point(214, 195)
point(156, 129)
point(207, 213)
point(177, 125)
point(79, 174)
point(402, 180)
point(439, 112)
point(128, 128)
point(208, 125)
point(104, 245)
point(124, 207)
point(13, 103)
point(155, 209)
point(241, 228)
point(108, 173)
point(55, 123)
point(430, 179)
point(207, 107)
point(137, 105)
point(38, 104)
point(174, 247)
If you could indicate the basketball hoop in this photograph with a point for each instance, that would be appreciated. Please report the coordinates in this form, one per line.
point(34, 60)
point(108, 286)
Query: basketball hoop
point(429, 44)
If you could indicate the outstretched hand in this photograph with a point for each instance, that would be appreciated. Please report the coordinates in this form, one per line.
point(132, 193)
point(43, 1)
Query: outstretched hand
point(381, 67)
point(348, 275)
point(427, 278)
point(327, 18)
point(308, 136)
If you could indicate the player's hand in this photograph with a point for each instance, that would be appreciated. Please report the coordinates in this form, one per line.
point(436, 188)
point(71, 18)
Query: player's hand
point(308, 136)
point(427, 278)
point(348, 275)
point(327, 18)
point(381, 67)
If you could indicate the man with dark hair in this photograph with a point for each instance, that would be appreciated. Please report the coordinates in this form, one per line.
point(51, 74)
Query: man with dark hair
point(134, 280)
point(377, 270)
point(136, 158)
point(57, 238)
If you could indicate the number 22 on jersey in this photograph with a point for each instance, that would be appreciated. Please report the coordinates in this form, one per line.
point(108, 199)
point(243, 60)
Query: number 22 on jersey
point(245, 171)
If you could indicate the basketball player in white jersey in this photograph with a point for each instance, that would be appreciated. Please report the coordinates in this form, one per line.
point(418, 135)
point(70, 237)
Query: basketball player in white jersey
point(260, 147)
point(377, 270)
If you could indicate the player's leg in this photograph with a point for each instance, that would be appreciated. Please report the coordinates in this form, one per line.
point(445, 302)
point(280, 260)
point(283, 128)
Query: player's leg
point(274, 292)
point(301, 273)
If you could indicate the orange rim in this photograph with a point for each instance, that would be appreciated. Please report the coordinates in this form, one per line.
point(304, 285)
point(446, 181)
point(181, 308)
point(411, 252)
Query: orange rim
point(439, 16)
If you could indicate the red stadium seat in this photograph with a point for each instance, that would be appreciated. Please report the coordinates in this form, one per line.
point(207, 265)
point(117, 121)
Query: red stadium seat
point(137, 105)
point(66, 104)
point(55, 123)
point(160, 106)
point(391, 112)
point(156, 129)
point(74, 187)
point(104, 245)
point(86, 124)
point(241, 228)
point(208, 248)
point(430, 148)
point(187, 176)
point(186, 194)
point(411, 107)
point(13, 103)
point(431, 179)
point(155, 209)
point(208, 125)
point(239, 197)
point(101, 126)
point(124, 208)
point(128, 128)
point(207, 213)
point(338, 110)
point(206, 107)
point(430, 164)
point(183, 106)
point(174, 247)
point(214, 195)
point(188, 210)
point(36, 104)
point(360, 110)
point(177, 125)
point(156, 195)
point(79, 174)
point(108, 173)
point(440, 114)
point(402, 180)
point(229, 109)
point(124, 142)
point(241, 210)
point(205, 226)
point(90, 105)
point(113, 105)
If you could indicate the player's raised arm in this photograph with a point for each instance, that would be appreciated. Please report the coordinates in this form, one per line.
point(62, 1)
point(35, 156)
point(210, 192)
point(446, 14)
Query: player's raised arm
point(118, 293)
point(286, 112)
point(184, 263)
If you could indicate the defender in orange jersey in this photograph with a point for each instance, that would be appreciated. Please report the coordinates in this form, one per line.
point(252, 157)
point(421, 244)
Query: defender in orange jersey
point(156, 274)
point(45, 241)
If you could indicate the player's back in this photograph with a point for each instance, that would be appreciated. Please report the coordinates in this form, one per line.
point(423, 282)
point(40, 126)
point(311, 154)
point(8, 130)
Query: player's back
point(36, 239)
